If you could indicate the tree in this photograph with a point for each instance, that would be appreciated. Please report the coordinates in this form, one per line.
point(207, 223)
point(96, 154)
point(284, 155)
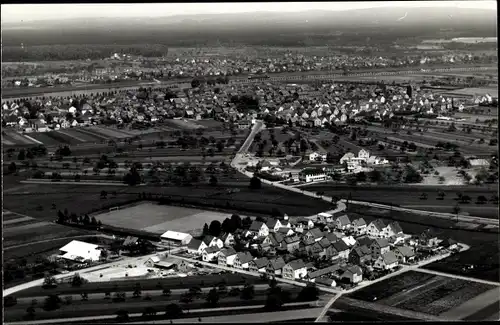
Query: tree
point(441, 195)
point(30, 312)
point(21, 155)
point(122, 315)
point(215, 228)
point(423, 196)
point(12, 167)
point(173, 311)
point(167, 292)
point(206, 231)
point(213, 180)
point(248, 292)
point(308, 293)
point(104, 194)
point(149, 311)
point(465, 199)
point(481, 199)
point(52, 302)
point(273, 302)
point(456, 210)
point(77, 280)
point(195, 83)
point(213, 297)
point(49, 282)
point(237, 222)
point(68, 300)
point(255, 183)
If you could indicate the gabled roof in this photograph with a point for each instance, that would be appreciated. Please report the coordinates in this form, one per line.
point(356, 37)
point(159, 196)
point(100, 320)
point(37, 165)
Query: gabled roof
point(291, 239)
point(324, 271)
point(325, 281)
point(359, 222)
point(130, 240)
point(271, 223)
point(296, 264)
point(208, 239)
point(344, 220)
point(381, 242)
point(244, 257)
point(362, 251)
point(340, 246)
point(212, 249)
point(256, 225)
point(378, 223)
point(396, 227)
point(324, 243)
point(261, 262)
point(316, 232)
point(194, 244)
point(277, 263)
point(228, 251)
point(406, 251)
point(389, 257)
point(174, 235)
point(332, 237)
point(353, 269)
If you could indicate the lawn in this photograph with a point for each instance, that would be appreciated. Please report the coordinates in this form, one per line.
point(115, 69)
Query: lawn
point(110, 132)
point(208, 123)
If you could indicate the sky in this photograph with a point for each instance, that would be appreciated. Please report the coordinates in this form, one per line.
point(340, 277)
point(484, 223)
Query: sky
point(15, 13)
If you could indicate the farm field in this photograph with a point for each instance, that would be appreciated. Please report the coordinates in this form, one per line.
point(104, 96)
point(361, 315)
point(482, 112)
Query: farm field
point(425, 293)
point(44, 138)
point(410, 196)
point(158, 219)
point(209, 123)
point(12, 138)
point(109, 132)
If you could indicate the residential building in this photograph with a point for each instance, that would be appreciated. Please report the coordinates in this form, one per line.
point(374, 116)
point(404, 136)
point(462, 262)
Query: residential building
point(360, 255)
point(386, 261)
point(405, 254)
point(342, 249)
point(326, 282)
point(242, 259)
point(210, 241)
point(196, 246)
point(312, 175)
point(379, 247)
point(317, 156)
point(359, 226)
point(80, 251)
point(258, 265)
point(315, 234)
point(352, 274)
point(275, 266)
point(294, 270)
point(210, 254)
point(226, 257)
point(375, 228)
point(258, 228)
point(343, 222)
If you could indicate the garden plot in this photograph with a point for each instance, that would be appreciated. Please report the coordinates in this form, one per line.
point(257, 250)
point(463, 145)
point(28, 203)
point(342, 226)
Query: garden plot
point(183, 124)
point(159, 218)
point(208, 123)
point(72, 135)
point(18, 138)
point(45, 139)
point(110, 132)
point(450, 177)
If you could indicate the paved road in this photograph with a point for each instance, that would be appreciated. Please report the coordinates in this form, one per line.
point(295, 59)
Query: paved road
point(287, 315)
point(466, 278)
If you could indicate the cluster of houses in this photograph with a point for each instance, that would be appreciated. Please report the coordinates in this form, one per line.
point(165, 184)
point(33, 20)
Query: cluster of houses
point(326, 249)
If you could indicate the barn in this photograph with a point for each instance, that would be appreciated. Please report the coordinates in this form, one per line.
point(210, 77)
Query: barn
point(176, 238)
point(80, 251)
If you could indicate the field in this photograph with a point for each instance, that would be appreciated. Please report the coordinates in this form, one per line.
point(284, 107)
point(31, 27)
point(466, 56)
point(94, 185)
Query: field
point(410, 196)
point(12, 138)
point(422, 292)
point(159, 218)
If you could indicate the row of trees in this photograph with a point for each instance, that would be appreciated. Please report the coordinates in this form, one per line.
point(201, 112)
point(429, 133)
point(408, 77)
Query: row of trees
point(85, 220)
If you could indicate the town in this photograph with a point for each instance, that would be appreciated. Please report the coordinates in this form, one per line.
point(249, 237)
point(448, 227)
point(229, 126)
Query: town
point(313, 166)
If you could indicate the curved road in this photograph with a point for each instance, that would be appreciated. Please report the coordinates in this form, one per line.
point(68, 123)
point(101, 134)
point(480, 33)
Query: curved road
point(258, 126)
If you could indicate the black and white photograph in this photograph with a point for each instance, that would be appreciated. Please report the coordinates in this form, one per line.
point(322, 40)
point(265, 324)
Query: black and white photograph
point(249, 162)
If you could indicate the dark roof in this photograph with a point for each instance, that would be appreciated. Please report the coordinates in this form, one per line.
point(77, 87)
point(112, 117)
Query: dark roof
point(354, 269)
point(271, 223)
point(277, 263)
point(324, 281)
point(406, 251)
point(194, 244)
point(364, 241)
point(130, 240)
point(396, 227)
point(332, 237)
point(256, 225)
point(261, 262)
point(228, 251)
point(389, 257)
point(244, 257)
point(324, 271)
point(296, 264)
point(340, 246)
point(284, 230)
point(208, 239)
point(382, 242)
point(449, 242)
point(316, 232)
point(324, 242)
point(359, 222)
point(379, 224)
point(344, 220)
point(212, 249)
point(291, 239)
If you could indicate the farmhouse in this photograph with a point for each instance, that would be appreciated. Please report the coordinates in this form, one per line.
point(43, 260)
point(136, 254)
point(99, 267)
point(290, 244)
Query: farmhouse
point(176, 238)
point(210, 254)
point(80, 251)
point(404, 254)
point(226, 257)
point(387, 261)
point(352, 274)
point(294, 270)
point(379, 247)
point(242, 259)
point(258, 265)
point(196, 247)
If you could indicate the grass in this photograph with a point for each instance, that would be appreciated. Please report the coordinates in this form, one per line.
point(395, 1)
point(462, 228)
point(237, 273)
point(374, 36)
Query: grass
point(45, 139)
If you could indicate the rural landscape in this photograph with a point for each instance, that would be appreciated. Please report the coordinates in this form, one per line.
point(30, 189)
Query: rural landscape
point(343, 167)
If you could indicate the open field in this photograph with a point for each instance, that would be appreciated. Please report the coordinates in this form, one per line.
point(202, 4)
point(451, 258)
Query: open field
point(425, 293)
point(410, 196)
point(12, 138)
point(160, 218)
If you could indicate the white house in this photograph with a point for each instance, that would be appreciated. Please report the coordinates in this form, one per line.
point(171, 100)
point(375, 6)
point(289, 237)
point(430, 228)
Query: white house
point(359, 226)
point(317, 156)
point(210, 254)
point(294, 270)
point(259, 228)
point(312, 175)
point(242, 259)
point(213, 241)
point(226, 257)
point(386, 261)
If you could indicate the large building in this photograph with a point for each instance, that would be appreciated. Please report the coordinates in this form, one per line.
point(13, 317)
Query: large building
point(80, 251)
point(309, 175)
point(176, 238)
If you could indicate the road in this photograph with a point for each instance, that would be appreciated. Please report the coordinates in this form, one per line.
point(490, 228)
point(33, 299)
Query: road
point(310, 313)
point(460, 277)
point(327, 307)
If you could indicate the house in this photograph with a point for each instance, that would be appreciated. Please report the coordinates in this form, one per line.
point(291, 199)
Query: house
point(349, 240)
point(352, 274)
point(392, 229)
point(315, 233)
point(184, 267)
point(375, 228)
point(226, 257)
point(210, 254)
point(450, 244)
point(292, 243)
point(386, 261)
point(405, 254)
point(176, 238)
point(379, 247)
point(275, 266)
point(286, 232)
point(259, 228)
point(273, 224)
point(317, 156)
point(80, 251)
point(309, 175)
point(196, 246)
point(341, 248)
point(242, 259)
point(210, 241)
point(294, 270)
point(430, 238)
point(343, 222)
point(130, 241)
point(227, 239)
point(359, 226)
point(360, 255)
point(258, 265)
